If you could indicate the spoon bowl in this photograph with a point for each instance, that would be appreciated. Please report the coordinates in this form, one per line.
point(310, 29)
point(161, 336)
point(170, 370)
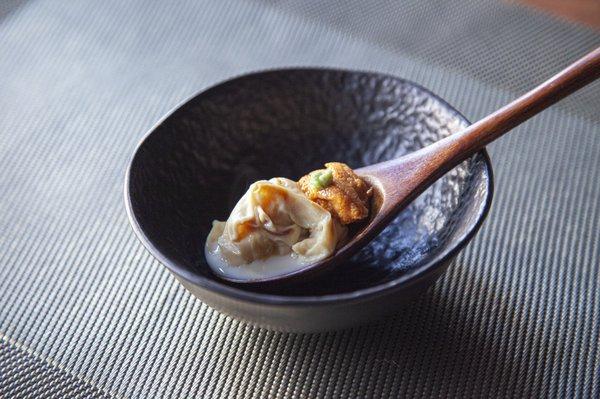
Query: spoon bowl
point(194, 164)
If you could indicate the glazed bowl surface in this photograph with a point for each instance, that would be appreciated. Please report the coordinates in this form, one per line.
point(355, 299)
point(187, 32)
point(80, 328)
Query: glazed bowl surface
point(194, 165)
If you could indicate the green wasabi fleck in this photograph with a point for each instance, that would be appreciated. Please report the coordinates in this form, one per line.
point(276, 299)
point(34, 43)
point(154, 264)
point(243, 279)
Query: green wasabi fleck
point(321, 180)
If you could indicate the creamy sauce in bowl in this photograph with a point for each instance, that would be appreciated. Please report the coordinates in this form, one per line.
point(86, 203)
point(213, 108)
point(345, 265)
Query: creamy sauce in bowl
point(272, 266)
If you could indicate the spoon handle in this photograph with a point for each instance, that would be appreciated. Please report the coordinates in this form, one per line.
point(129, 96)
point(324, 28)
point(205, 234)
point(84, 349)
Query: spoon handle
point(452, 150)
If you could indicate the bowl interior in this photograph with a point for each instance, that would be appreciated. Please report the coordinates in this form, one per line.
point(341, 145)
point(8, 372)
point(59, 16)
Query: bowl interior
point(196, 164)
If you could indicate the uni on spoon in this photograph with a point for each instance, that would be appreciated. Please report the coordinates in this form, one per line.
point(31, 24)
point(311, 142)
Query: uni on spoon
point(396, 183)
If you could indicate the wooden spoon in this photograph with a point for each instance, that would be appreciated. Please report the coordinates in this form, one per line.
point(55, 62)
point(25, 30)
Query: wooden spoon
point(399, 181)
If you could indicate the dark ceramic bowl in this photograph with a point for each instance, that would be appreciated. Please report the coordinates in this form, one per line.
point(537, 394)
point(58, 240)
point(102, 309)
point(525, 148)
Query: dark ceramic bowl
point(194, 165)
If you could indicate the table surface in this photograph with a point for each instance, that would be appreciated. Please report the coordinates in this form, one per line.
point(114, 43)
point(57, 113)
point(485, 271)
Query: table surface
point(86, 312)
point(582, 11)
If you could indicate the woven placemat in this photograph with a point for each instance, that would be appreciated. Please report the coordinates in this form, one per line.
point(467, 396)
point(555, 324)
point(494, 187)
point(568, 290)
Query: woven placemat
point(86, 312)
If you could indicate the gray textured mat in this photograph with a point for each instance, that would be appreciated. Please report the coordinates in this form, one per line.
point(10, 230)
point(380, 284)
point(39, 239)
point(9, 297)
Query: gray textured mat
point(24, 375)
point(84, 310)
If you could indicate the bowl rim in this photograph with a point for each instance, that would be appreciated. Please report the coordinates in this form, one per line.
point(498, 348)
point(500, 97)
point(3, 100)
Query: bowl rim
point(215, 286)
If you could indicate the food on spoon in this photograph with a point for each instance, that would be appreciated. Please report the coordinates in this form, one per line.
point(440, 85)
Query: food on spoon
point(346, 196)
point(280, 225)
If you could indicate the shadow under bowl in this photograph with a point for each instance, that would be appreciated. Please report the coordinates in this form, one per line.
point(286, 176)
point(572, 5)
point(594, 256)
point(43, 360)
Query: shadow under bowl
point(196, 163)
